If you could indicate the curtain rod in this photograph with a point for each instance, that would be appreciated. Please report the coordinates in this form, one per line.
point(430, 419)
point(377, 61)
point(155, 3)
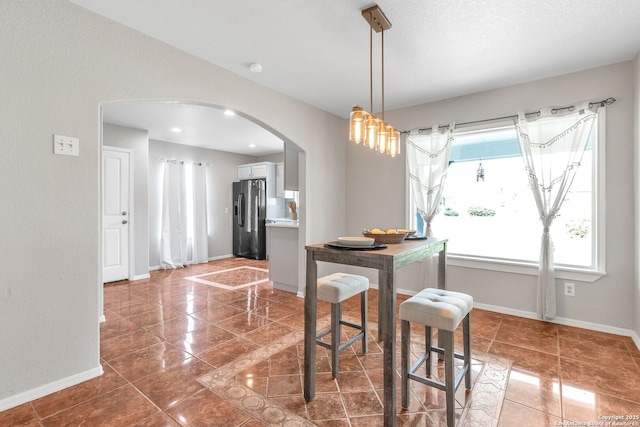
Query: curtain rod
point(174, 161)
point(607, 101)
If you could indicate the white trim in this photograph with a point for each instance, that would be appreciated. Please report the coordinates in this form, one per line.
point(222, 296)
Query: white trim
point(214, 258)
point(563, 321)
point(531, 315)
point(142, 276)
point(529, 269)
point(44, 390)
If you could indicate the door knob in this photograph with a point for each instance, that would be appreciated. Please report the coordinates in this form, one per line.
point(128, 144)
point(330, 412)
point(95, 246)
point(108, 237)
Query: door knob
point(124, 221)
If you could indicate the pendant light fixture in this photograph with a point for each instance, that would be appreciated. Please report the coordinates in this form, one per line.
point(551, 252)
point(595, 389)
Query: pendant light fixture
point(364, 127)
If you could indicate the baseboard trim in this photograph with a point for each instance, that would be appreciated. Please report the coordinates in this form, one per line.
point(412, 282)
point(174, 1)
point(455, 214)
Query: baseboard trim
point(564, 321)
point(558, 320)
point(142, 276)
point(44, 390)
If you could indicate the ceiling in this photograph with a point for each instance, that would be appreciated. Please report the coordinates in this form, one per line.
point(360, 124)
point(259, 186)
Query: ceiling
point(318, 51)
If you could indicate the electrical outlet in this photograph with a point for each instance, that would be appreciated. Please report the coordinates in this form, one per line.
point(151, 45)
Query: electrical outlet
point(66, 145)
point(570, 289)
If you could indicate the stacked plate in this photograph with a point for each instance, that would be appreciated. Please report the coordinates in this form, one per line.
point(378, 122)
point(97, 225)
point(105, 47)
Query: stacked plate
point(356, 241)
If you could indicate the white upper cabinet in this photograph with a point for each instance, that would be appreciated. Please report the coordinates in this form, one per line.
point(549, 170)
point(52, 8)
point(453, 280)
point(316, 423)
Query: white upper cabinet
point(253, 171)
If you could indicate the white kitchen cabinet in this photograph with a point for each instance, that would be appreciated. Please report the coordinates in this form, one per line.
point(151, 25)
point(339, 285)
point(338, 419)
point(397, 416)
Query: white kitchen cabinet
point(283, 256)
point(253, 171)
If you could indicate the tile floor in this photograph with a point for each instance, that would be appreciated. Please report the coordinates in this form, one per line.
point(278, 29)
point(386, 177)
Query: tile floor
point(188, 347)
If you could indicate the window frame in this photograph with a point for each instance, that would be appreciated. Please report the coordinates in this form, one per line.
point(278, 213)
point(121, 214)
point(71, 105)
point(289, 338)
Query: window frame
point(584, 274)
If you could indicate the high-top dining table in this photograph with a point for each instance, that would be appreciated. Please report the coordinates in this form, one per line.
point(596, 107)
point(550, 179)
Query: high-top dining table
point(386, 261)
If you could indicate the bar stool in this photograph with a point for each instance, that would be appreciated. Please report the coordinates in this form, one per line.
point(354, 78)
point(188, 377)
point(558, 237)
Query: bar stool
point(335, 289)
point(443, 310)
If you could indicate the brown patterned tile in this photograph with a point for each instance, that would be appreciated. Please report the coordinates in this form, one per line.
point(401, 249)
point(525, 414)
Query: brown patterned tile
point(116, 325)
point(269, 333)
point(243, 323)
point(284, 385)
point(326, 406)
point(125, 344)
point(206, 409)
point(217, 313)
point(597, 378)
point(531, 361)
point(173, 384)
point(514, 414)
point(23, 415)
point(587, 406)
point(534, 391)
point(148, 361)
point(240, 362)
point(52, 403)
point(159, 419)
point(122, 406)
point(176, 327)
point(205, 338)
point(537, 339)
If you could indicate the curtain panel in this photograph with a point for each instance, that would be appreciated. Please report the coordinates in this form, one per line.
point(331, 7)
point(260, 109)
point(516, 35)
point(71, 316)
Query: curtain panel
point(427, 160)
point(552, 144)
point(184, 236)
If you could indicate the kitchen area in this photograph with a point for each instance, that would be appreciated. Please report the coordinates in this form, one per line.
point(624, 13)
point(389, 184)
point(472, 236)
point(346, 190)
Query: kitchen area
point(266, 209)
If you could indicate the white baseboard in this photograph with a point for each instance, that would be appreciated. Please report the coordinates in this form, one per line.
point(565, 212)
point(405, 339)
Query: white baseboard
point(558, 320)
point(564, 321)
point(142, 276)
point(38, 392)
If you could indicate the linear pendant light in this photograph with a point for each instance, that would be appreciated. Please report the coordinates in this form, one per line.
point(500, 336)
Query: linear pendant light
point(364, 127)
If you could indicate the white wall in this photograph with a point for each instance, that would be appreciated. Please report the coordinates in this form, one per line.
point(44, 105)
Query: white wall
point(137, 140)
point(59, 64)
point(222, 168)
point(377, 193)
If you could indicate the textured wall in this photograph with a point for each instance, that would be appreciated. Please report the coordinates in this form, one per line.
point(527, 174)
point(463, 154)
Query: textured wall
point(59, 64)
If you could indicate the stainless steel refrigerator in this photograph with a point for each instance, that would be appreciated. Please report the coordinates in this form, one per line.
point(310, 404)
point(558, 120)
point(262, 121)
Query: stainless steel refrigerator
point(249, 215)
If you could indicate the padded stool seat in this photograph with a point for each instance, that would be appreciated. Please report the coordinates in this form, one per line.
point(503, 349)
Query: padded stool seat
point(443, 310)
point(335, 289)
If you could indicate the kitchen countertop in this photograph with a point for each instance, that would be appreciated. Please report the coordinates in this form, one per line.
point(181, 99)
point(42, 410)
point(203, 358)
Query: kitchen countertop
point(281, 222)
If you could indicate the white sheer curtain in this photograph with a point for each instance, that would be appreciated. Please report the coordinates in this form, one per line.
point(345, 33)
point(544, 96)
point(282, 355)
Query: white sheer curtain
point(200, 241)
point(427, 160)
point(552, 144)
point(184, 238)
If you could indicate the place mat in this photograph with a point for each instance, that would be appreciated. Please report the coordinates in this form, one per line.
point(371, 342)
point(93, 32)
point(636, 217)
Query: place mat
point(338, 245)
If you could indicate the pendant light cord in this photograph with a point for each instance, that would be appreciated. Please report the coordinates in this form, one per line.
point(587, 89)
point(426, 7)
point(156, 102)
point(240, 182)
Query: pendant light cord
point(371, 63)
point(382, 37)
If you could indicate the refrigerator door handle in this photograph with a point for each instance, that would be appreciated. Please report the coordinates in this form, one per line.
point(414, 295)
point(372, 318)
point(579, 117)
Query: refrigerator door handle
point(241, 209)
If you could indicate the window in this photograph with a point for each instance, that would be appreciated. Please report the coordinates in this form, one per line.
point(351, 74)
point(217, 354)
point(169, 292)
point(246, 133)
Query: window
point(488, 212)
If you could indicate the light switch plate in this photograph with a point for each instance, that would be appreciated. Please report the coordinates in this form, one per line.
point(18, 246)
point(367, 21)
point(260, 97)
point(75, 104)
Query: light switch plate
point(66, 145)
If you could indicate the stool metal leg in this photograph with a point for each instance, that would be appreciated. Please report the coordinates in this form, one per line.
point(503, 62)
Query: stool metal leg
point(336, 333)
point(466, 337)
point(363, 321)
point(405, 345)
point(446, 338)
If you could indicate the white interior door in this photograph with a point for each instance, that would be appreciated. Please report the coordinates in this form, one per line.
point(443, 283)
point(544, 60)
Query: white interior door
point(115, 214)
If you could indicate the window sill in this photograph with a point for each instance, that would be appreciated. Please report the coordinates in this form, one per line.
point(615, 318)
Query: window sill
point(530, 269)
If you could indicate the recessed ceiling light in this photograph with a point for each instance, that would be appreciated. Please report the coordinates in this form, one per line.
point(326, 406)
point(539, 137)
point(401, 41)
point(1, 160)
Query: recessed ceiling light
point(176, 129)
point(255, 67)
point(252, 145)
point(229, 113)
